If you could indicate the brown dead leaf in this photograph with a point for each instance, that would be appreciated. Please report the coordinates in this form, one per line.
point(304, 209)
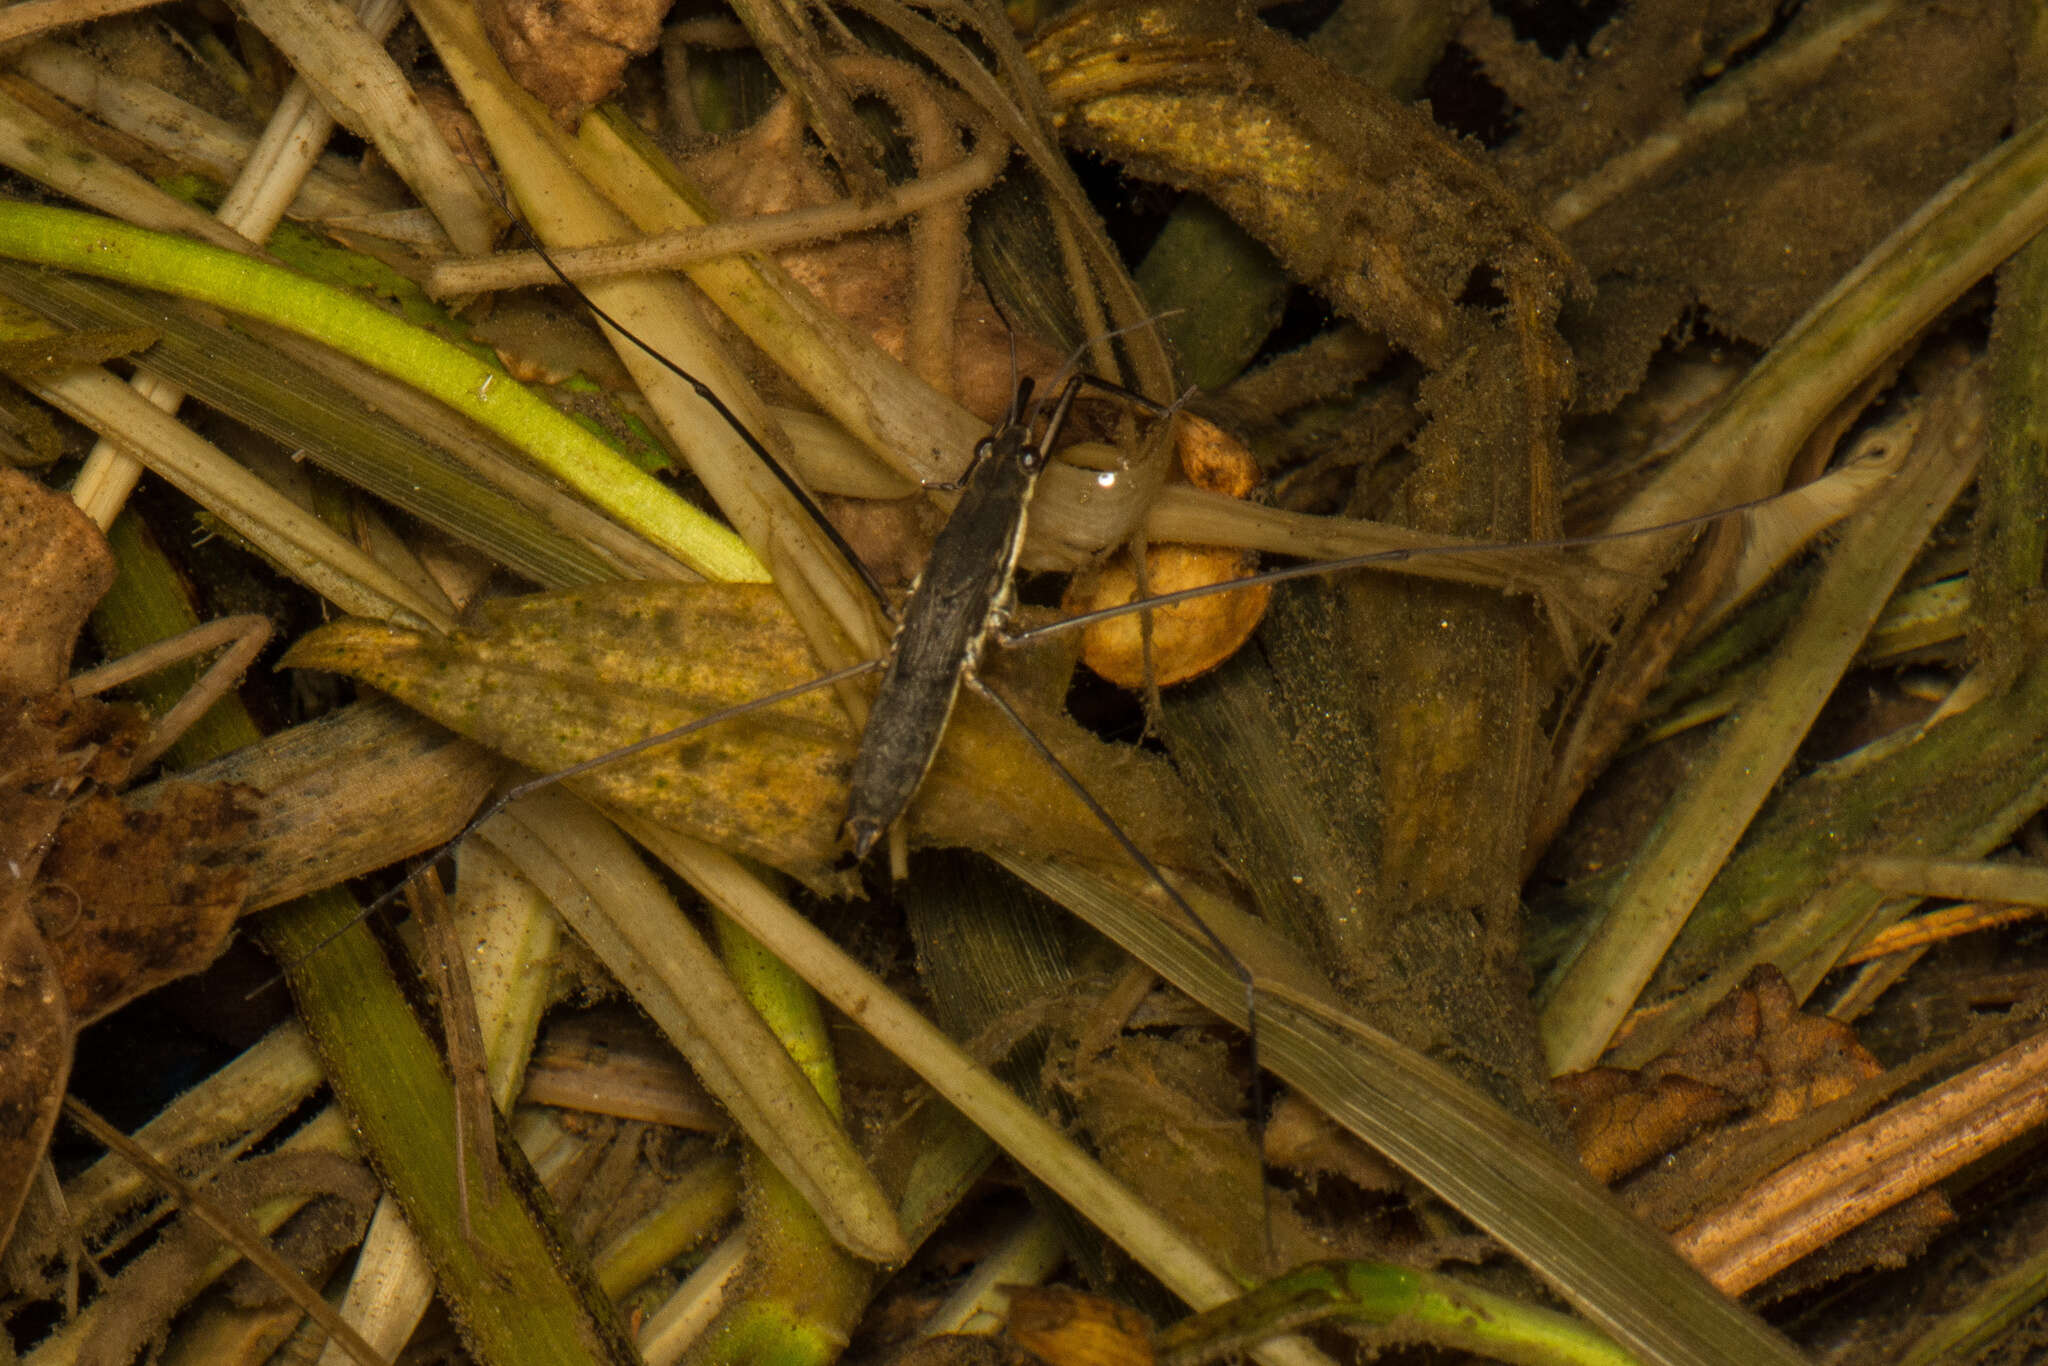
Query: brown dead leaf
point(129, 900)
point(1622, 1119)
point(1735, 1100)
point(1717, 1101)
point(125, 899)
point(1755, 1054)
point(98, 902)
point(571, 55)
point(48, 748)
point(58, 565)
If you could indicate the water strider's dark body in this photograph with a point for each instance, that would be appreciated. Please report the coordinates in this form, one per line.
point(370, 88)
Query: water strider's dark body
point(962, 595)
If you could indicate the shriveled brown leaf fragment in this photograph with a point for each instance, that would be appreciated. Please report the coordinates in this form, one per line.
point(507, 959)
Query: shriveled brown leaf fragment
point(570, 55)
point(1302, 1137)
point(129, 900)
point(907, 290)
point(126, 899)
point(1737, 1099)
point(57, 566)
point(1757, 1054)
point(1623, 1119)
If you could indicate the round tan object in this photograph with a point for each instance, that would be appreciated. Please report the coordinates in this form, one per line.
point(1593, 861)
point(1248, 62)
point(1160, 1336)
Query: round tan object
point(1189, 638)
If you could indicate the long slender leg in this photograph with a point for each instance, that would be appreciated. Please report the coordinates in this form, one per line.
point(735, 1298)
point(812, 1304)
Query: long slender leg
point(1061, 405)
point(1130, 847)
point(1381, 558)
point(1158, 876)
point(1113, 390)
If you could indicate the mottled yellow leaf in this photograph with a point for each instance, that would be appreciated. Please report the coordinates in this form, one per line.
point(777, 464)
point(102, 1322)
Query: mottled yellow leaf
point(558, 677)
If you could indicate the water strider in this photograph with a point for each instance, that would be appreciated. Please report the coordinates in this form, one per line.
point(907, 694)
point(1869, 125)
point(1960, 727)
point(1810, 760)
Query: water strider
point(962, 596)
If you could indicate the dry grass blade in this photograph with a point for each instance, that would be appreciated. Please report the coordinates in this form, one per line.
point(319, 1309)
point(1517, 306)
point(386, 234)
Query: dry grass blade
point(627, 920)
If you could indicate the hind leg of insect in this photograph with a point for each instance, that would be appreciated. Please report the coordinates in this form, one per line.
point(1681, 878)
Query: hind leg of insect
point(1207, 933)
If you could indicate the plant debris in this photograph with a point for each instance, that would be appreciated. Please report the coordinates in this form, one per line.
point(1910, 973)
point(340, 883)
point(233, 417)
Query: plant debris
point(1556, 887)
